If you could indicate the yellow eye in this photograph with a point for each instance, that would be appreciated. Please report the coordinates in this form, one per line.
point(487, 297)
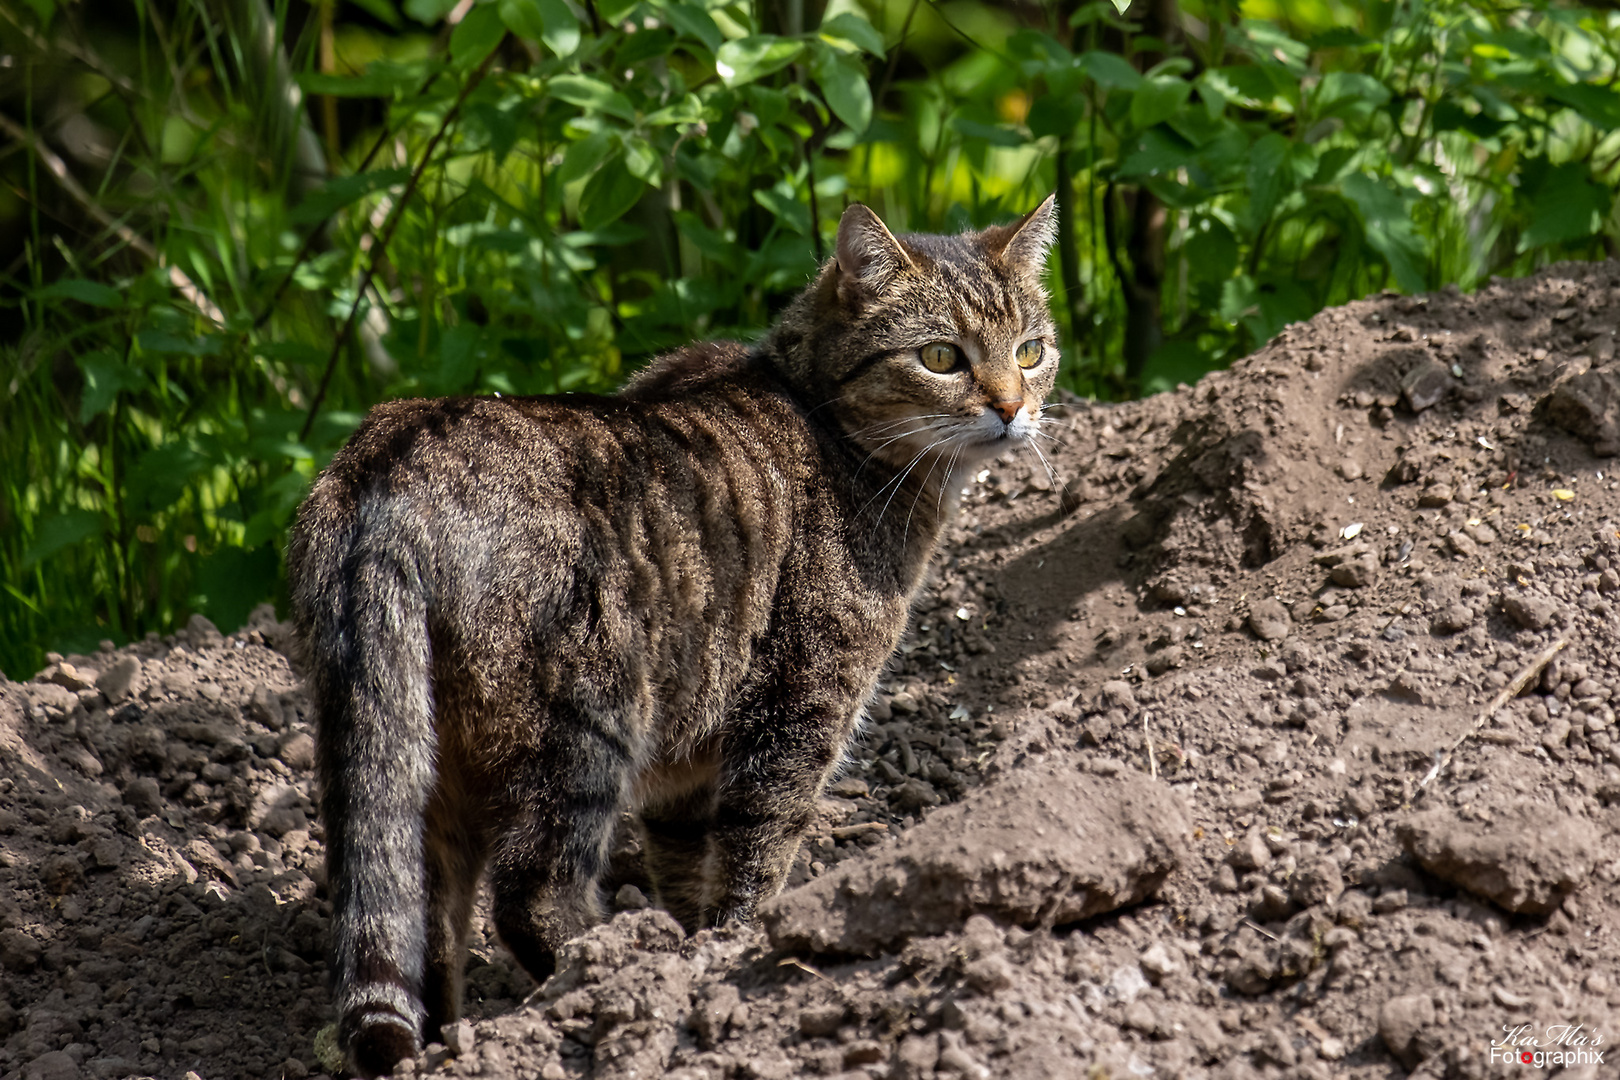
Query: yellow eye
point(941, 357)
point(1029, 353)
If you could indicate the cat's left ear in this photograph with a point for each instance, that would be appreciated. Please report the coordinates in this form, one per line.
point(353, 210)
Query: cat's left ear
point(1023, 245)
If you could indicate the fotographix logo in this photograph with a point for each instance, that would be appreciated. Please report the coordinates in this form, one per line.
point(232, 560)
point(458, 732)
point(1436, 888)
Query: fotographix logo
point(1553, 1045)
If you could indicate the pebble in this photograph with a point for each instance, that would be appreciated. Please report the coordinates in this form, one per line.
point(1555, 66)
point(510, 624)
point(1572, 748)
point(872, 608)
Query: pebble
point(1269, 620)
point(1403, 1023)
point(1529, 611)
point(1250, 852)
point(118, 681)
point(1527, 859)
point(459, 1038)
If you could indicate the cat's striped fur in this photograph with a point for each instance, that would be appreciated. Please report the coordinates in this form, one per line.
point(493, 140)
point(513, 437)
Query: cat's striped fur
point(523, 615)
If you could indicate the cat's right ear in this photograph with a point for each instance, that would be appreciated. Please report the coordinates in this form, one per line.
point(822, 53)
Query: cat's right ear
point(869, 257)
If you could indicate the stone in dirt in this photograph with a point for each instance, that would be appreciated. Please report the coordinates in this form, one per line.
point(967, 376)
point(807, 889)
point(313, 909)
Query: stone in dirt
point(1426, 385)
point(1530, 612)
point(1056, 847)
point(1527, 860)
point(119, 680)
point(1588, 407)
point(1406, 1024)
point(1269, 620)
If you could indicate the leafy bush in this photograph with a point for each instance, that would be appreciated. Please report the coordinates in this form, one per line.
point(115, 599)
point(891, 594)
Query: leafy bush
point(240, 226)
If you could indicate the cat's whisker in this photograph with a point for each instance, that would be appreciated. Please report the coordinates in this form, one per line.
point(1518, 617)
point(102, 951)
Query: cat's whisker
point(899, 481)
point(888, 442)
point(1051, 473)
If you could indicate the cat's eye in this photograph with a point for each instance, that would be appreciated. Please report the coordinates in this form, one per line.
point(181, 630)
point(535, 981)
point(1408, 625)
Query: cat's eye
point(941, 357)
point(1029, 353)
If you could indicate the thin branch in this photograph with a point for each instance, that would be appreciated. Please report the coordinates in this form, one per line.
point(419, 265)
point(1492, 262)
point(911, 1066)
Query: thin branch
point(58, 168)
point(1513, 689)
point(378, 248)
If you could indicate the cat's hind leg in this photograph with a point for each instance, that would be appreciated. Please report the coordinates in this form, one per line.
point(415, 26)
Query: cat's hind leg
point(677, 855)
point(561, 802)
point(455, 846)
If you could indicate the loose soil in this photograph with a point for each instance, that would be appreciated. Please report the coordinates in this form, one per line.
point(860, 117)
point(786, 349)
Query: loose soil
point(1189, 767)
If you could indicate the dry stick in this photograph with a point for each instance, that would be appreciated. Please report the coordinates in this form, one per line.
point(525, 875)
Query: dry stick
point(389, 226)
point(1512, 690)
point(1147, 733)
point(58, 168)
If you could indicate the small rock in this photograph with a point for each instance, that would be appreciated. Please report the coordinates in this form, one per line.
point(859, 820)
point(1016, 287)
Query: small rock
point(914, 795)
point(144, 796)
point(202, 633)
point(905, 702)
point(987, 974)
point(120, 680)
point(630, 898)
point(1157, 962)
point(1530, 612)
point(1117, 694)
point(1461, 543)
point(1357, 572)
point(1405, 1024)
point(61, 874)
point(55, 1065)
point(1588, 406)
point(68, 677)
point(1250, 852)
point(1269, 620)
point(459, 1038)
point(1527, 860)
point(1426, 385)
point(1350, 469)
point(823, 1020)
point(1166, 658)
point(264, 705)
point(1318, 882)
point(19, 952)
point(1435, 495)
point(1452, 618)
point(297, 750)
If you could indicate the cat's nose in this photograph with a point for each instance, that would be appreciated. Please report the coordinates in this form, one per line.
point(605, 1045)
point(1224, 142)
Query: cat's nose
point(1008, 410)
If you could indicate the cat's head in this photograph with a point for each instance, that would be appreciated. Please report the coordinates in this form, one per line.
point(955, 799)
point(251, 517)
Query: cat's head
point(929, 349)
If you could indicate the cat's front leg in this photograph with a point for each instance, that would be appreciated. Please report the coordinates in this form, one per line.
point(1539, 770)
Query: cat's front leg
point(775, 769)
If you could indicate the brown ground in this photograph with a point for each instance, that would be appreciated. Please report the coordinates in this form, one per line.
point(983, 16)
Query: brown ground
point(1186, 683)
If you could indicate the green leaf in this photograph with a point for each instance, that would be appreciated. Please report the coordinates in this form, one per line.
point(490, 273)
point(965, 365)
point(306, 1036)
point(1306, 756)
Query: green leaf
point(429, 12)
point(843, 86)
point(339, 192)
point(1121, 5)
point(383, 11)
point(1267, 179)
point(642, 160)
point(160, 476)
point(1110, 70)
point(688, 110)
point(161, 341)
point(742, 61)
point(1157, 100)
point(1055, 115)
point(105, 374)
point(476, 36)
point(84, 291)
point(589, 93)
point(586, 156)
point(783, 201)
point(551, 22)
point(609, 194)
point(850, 27)
point(1564, 205)
point(63, 530)
point(1387, 227)
point(694, 22)
point(381, 79)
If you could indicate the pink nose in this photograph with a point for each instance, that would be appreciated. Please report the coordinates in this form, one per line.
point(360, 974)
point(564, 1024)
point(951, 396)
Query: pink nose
point(1008, 410)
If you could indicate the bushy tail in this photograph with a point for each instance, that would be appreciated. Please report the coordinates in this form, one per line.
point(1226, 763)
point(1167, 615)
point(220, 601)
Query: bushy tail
point(362, 615)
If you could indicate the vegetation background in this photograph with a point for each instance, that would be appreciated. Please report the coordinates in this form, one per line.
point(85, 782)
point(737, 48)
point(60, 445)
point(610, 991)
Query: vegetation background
point(230, 226)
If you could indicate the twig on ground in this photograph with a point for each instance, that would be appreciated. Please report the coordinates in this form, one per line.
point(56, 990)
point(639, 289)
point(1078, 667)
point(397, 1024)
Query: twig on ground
point(1147, 733)
point(844, 832)
point(1513, 689)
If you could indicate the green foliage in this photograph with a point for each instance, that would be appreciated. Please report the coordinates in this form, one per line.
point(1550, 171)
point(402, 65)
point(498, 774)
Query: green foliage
point(248, 231)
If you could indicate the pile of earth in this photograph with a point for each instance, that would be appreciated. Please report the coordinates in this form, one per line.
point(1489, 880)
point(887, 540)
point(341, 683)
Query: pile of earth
point(1274, 737)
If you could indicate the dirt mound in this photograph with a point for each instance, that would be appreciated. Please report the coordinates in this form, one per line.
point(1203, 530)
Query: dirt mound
point(1247, 669)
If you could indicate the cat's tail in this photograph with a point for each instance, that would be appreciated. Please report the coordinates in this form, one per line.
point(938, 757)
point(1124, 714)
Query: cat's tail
point(362, 614)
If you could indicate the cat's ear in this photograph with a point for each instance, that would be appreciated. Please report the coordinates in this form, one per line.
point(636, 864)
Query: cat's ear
point(1023, 245)
point(869, 257)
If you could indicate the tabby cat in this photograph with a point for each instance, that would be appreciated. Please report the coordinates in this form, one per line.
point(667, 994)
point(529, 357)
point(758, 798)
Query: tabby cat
point(523, 615)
